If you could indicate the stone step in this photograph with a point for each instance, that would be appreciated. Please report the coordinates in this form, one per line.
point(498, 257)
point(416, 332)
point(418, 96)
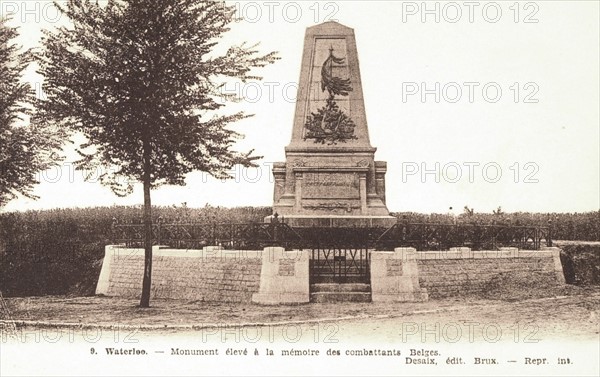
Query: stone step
point(330, 279)
point(333, 287)
point(348, 270)
point(330, 297)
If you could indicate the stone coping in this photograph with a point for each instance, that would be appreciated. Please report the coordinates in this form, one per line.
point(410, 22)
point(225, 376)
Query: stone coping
point(341, 169)
point(486, 254)
point(207, 252)
point(298, 147)
point(467, 253)
point(216, 252)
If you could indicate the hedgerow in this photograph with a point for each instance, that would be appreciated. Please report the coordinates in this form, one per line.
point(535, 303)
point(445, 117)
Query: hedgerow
point(60, 251)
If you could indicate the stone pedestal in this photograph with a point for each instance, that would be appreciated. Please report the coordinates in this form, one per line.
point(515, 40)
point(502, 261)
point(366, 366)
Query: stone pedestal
point(395, 276)
point(283, 277)
point(330, 183)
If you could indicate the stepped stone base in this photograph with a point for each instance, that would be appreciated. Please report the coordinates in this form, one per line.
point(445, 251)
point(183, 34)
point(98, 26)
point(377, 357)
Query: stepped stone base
point(331, 293)
point(334, 287)
point(332, 297)
point(334, 221)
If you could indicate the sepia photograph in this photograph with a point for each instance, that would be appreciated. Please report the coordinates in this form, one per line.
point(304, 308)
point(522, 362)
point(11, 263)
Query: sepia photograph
point(261, 188)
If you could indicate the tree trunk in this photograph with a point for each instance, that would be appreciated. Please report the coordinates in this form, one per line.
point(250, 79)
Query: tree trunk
point(147, 282)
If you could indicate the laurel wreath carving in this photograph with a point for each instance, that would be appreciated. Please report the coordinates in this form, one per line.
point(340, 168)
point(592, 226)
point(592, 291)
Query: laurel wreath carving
point(330, 124)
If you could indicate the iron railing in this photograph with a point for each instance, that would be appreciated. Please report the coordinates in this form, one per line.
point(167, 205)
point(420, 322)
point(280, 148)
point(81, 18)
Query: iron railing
point(247, 236)
point(425, 236)
point(255, 236)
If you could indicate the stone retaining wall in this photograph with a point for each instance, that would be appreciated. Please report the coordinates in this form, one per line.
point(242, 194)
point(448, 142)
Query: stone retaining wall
point(204, 275)
point(276, 276)
point(462, 271)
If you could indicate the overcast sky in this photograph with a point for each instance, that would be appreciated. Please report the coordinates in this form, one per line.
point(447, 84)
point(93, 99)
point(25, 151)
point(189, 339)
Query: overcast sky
point(515, 122)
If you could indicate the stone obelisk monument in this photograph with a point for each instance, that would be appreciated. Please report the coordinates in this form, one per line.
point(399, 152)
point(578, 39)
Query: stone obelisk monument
point(330, 177)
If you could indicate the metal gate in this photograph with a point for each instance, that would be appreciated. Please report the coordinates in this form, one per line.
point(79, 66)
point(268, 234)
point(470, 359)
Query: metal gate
point(339, 265)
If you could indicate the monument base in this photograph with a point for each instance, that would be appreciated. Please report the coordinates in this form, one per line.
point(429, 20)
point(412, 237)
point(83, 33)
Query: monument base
point(305, 221)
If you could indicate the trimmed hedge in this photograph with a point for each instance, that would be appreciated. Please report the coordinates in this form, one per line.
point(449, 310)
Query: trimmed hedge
point(60, 251)
point(565, 226)
point(581, 264)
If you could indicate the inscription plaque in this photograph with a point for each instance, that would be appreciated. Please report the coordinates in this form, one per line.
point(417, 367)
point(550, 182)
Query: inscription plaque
point(325, 185)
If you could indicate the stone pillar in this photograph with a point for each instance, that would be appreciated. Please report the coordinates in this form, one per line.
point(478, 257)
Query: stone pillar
point(283, 277)
point(104, 279)
point(380, 170)
point(363, 193)
point(279, 175)
point(395, 276)
point(558, 267)
point(298, 192)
